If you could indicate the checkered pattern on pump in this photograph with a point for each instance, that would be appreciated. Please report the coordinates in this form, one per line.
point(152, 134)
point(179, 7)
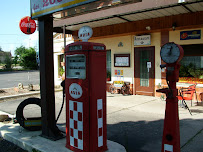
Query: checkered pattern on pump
point(100, 121)
point(76, 124)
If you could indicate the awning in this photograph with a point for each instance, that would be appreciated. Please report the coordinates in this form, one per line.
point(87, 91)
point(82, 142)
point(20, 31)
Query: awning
point(155, 12)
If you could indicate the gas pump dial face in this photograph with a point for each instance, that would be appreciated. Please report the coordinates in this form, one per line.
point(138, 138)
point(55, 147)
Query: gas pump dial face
point(170, 53)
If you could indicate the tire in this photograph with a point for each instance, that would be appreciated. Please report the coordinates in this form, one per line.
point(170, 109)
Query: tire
point(19, 113)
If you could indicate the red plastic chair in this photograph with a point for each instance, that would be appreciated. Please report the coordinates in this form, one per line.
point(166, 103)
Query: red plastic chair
point(187, 93)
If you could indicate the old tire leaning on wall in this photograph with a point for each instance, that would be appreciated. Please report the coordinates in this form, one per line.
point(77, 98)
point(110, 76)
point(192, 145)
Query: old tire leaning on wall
point(20, 117)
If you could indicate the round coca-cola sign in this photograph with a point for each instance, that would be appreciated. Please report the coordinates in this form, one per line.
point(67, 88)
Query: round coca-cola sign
point(27, 25)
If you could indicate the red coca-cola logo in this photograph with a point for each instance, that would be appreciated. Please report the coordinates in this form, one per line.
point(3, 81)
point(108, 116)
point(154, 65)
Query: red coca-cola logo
point(27, 25)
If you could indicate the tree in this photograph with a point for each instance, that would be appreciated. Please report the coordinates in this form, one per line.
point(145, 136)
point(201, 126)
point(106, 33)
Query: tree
point(20, 51)
point(15, 60)
point(27, 57)
point(8, 62)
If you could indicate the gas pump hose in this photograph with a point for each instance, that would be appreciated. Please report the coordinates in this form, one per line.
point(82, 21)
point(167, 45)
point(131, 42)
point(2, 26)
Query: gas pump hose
point(63, 85)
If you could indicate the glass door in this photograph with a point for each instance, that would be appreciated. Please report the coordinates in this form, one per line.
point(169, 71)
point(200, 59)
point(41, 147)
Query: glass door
point(144, 80)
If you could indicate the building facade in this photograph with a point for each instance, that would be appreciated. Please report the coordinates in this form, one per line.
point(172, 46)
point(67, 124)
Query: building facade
point(59, 62)
point(134, 33)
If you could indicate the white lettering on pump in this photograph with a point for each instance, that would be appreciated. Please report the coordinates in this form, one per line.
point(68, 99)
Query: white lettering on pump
point(75, 90)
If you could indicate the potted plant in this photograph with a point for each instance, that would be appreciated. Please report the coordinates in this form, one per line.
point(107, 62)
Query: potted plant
point(108, 77)
point(61, 71)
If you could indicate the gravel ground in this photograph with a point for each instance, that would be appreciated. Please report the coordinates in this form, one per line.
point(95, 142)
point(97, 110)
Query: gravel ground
point(6, 146)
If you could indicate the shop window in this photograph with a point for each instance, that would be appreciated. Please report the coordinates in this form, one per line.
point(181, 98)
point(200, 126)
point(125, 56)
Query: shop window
point(191, 69)
point(192, 66)
point(108, 64)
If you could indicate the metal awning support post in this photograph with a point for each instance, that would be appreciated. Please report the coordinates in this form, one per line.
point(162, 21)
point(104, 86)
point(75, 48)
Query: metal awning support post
point(49, 128)
point(64, 33)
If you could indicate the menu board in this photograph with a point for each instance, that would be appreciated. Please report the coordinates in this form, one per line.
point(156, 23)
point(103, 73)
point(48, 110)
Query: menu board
point(76, 66)
point(122, 60)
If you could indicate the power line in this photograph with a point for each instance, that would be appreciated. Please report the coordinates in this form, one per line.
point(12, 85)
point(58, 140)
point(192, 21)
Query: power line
point(9, 43)
point(13, 34)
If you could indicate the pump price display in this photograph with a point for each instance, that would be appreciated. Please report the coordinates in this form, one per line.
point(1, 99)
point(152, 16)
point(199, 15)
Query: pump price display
point(76, 66)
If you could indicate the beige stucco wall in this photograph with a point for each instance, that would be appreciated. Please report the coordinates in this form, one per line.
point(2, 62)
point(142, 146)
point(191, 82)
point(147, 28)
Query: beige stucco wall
point(112, 44)
point(156, 41)
point(128, 48)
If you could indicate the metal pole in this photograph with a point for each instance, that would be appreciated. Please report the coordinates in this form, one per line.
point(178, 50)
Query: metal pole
point(49, 128)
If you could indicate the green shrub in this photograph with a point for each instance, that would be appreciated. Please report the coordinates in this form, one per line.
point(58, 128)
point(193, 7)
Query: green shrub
point(8, 62)
point(26, 57)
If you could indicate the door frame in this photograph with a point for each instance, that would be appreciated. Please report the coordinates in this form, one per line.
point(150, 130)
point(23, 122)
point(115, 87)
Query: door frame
point(153, 75)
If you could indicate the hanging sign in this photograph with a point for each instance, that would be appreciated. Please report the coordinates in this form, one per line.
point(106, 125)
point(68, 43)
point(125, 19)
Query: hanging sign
point(142, 40)
point(44, 7)
point(27, 25)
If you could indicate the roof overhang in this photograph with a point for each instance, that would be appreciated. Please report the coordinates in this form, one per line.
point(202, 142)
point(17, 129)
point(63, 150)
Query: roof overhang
point(147, 9)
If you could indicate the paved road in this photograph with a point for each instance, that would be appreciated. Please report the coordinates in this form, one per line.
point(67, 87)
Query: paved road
point(11, 79)
point(136, 122)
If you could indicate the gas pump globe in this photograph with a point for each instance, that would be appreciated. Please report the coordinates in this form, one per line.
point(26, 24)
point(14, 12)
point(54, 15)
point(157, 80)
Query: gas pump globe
point(171, 54)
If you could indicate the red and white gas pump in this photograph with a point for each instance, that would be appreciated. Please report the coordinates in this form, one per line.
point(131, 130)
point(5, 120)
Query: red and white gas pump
point(85, 86)
point(171, 54)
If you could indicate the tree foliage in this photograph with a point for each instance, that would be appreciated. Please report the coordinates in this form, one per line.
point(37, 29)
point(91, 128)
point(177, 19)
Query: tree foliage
point(1, 49)
point(15, 60)
point(8, 62)
point(26, 57)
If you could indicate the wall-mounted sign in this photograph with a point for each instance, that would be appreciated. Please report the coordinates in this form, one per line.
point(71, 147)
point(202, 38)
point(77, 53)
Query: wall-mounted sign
point(188, 35)
point(44, 7)
point(27, 25)
point(122, 60)
point(142, 40)
point(85, 33)
point(118, 72)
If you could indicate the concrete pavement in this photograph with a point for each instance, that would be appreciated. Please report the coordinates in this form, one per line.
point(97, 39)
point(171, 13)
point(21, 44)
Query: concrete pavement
point(136, 122)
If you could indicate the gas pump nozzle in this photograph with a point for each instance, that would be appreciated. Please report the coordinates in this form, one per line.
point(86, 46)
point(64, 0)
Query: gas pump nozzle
point(63, 85)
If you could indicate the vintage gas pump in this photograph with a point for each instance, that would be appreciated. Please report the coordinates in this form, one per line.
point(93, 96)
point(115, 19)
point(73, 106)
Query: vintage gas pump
point(171, 54)
point(85, 86)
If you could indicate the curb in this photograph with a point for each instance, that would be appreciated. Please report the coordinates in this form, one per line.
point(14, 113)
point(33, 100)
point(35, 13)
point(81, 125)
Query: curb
point(32, 141)
point(24, 95)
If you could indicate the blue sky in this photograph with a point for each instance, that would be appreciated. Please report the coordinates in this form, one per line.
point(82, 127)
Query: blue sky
point(10, 34)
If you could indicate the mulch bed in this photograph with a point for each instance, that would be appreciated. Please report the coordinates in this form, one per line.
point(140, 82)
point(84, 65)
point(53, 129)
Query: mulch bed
point(16, 91)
